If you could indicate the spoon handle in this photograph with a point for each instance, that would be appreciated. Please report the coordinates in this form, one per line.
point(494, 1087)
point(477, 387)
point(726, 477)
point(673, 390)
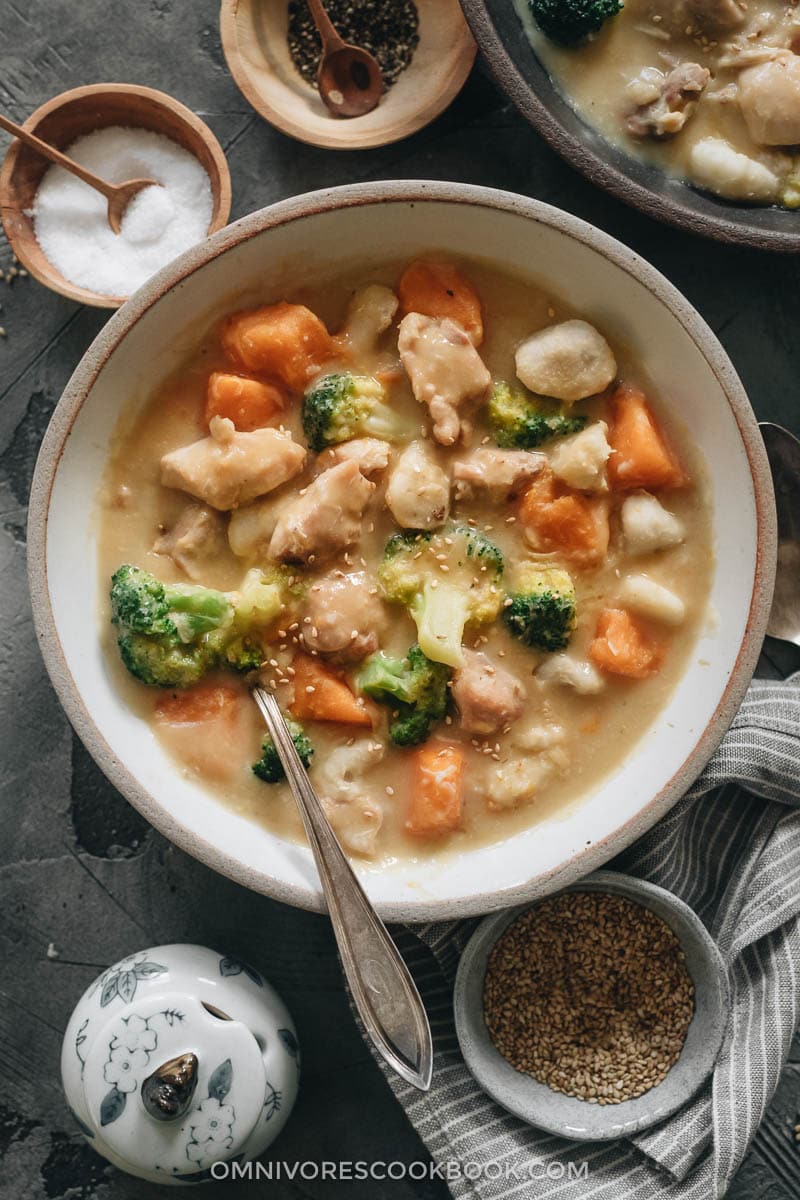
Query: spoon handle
point(55, 156)
point(383, 990)
point(331, 39)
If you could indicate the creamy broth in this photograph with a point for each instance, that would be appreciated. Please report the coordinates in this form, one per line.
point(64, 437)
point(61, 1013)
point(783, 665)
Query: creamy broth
point(741, 133)
point(571, 740)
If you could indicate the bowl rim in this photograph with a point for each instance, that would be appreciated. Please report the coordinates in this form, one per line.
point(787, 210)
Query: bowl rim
point(338, 138)
point(591, 163)
point(474, 1045)
point(354, 196)
point(62, 285)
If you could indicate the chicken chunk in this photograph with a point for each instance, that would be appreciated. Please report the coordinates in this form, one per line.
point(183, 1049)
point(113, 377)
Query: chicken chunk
point(231, 468)
point(715, 165)
point(647, 526)
point(325, 519)
point(769, 97)
point(344, 791)
point(583, 677)
point(580, 460)
point(418, 494)
point(445, 370)
point(197, 537)
point(371, 455)
point(498, 475)
point(343, 616)
point(664, 103)
point(714, 16)
point(489, 698)
point(370, 313)
point(568, 362)
point(652, 599)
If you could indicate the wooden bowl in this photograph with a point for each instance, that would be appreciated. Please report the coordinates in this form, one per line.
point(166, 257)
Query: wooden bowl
point(72, 115)
point(254, 40)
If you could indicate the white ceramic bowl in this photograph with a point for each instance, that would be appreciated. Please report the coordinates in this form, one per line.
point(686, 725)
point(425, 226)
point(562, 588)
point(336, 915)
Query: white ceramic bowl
point(316, 234)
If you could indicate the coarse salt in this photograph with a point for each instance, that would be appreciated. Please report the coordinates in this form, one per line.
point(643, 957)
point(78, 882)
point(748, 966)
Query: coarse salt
point(71, 222)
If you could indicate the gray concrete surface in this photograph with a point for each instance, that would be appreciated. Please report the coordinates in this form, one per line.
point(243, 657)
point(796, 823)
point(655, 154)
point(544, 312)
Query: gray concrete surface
point(78, 867)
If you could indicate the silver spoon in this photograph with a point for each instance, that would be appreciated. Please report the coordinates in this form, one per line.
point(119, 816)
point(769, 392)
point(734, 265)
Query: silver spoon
point(383, 990)
point(783, 451)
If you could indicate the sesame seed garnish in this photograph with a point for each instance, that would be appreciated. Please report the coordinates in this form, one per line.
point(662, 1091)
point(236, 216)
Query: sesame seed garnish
point(589, 993)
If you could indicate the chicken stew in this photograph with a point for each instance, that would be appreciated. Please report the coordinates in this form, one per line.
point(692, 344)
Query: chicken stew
point(708, 89)
point(459, 538)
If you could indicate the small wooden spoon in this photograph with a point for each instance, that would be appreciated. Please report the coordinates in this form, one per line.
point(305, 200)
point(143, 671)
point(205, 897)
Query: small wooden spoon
point(349, 79)
point(118, 195)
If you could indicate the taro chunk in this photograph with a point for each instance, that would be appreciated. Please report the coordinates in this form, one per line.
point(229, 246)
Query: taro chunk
point(418, 495)
point(569, 362)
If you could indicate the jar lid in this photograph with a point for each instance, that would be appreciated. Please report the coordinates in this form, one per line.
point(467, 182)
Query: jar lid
point(174, 1086)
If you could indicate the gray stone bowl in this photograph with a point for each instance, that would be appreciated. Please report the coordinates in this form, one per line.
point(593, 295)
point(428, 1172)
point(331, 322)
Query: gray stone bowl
point(566, 1116)
point(515, 65)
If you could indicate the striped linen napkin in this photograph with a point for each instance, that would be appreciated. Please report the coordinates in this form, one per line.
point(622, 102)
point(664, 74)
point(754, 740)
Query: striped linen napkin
point(730, 849)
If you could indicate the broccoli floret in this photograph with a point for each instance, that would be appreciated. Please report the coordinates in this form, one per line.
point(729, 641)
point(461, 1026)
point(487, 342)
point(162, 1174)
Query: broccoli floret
point(242, 654)
point(414, 686)
point(171, 635)
point(343, 406)
point(446, 580)
point(269, 767)
point(570, 22)
point(168, 634)
point(164, 663)
point(521, 421)
point(262, 597)
point(542, 612)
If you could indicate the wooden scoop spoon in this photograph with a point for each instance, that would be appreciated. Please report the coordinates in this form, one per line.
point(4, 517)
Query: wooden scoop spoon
point(349, 79)
point(118, 195)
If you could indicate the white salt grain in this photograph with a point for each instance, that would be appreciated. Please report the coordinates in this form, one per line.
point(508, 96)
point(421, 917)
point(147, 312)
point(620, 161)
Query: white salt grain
point(70, 218)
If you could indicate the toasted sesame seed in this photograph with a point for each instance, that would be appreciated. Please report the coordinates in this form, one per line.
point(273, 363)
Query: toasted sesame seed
point(589, 993)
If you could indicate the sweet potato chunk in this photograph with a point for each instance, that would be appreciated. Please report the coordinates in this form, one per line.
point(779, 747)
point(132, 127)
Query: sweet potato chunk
point(556, 518)
point(283, 341)
point(249, 403)
point(438, 289)
point(622, 647)
point(320, 695)
point(209, 729)
point(640, 455)
point(205, 702)
point(436, 801)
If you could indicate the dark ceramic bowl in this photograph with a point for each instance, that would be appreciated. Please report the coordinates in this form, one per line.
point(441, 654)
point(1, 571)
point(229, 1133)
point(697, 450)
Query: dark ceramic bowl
point(513, 61)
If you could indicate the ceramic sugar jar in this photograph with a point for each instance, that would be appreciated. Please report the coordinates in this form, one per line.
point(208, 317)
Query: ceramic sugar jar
point(178, 1058)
